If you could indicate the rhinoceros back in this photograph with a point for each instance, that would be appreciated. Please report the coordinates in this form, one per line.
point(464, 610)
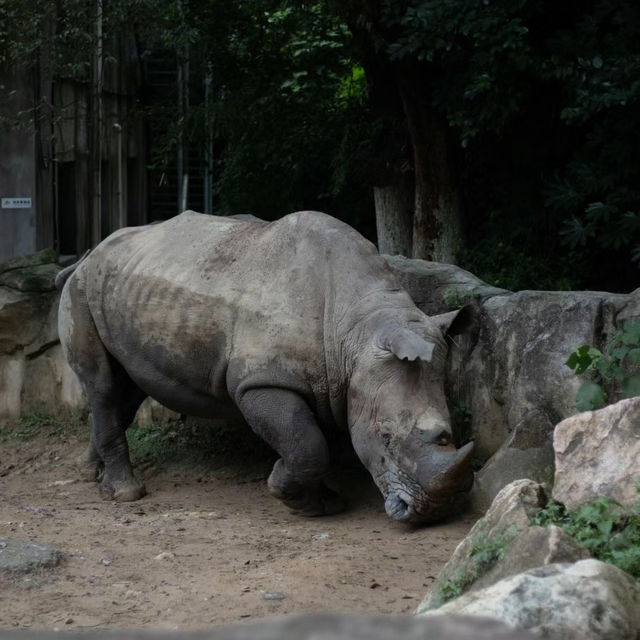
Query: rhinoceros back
point(205, 303)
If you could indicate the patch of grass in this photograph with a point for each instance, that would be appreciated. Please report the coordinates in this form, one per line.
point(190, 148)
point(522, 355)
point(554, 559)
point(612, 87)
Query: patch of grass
point(482, 557)
point(609, 530)
point(34, 424)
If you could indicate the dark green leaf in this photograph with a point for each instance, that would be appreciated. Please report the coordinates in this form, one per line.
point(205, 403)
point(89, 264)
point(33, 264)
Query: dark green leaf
point(631, 387)
point(590, 396)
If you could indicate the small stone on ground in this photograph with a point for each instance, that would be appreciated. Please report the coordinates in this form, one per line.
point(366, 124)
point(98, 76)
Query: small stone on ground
point(17, 556)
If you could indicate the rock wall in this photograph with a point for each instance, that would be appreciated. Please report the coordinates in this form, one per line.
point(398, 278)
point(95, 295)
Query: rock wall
point(34, 375)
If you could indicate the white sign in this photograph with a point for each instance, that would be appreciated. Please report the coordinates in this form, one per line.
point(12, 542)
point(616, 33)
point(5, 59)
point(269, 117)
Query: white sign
point(16, 203)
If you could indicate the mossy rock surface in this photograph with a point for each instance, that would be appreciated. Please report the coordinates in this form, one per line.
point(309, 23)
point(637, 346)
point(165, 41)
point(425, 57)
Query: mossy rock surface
point(46, 256)
point(35, 273)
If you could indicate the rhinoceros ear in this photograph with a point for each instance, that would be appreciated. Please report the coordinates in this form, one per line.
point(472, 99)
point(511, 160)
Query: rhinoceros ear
point(407, 345)
point(456, 322)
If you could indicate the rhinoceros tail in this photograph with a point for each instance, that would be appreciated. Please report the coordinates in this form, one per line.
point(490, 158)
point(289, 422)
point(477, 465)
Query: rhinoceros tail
point(64, 274)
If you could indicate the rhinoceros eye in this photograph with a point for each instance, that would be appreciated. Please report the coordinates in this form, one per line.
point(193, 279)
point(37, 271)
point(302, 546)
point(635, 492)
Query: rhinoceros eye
point(443, 439)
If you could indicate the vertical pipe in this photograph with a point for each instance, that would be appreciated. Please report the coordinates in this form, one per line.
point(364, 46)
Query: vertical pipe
point(180, 145)
point(122, 220)
point(183, 110)
point(208, 155)
point(96, 231)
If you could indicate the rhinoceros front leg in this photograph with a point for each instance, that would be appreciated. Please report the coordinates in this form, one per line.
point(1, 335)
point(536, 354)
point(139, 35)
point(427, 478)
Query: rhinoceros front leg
point(284, 420)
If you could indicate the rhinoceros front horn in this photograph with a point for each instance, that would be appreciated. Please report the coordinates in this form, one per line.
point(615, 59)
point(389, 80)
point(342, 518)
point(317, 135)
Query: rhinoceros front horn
point(448, 471)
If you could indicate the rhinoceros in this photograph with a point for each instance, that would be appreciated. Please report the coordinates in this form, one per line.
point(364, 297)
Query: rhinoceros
point(299, 322)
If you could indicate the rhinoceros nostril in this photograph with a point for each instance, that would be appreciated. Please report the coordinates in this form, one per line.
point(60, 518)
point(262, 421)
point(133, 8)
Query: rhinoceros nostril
point(397, 508)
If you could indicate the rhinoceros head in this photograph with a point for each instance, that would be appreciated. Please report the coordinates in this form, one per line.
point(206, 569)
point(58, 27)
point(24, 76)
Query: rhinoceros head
point(399, 420)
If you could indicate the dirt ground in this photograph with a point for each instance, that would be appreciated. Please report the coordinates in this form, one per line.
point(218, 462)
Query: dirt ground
point(206, 546)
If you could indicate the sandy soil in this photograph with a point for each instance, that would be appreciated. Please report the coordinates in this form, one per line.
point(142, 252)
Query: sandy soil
point(205, 546)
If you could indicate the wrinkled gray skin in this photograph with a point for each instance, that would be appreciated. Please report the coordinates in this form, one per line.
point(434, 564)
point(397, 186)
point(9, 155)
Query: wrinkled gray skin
point(298, 322)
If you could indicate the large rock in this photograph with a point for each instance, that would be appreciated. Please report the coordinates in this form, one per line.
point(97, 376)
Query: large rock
point(509, 381)
point(314, 627)
point(527, 453)
point(509, 515)
point(597, 453)
point(588, 600)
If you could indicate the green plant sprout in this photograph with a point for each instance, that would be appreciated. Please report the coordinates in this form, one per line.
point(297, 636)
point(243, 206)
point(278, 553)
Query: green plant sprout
point(456, 297)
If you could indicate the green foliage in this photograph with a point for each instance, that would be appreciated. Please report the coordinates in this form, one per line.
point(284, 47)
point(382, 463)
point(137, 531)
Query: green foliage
point(456, 297)
point(287, 95)
point(615, 373)
point(543, 103)
point(610, 531)
point(513, 267)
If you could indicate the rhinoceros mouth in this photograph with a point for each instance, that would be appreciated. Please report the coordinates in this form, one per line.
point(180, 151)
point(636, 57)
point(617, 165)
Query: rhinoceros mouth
point(397, 507)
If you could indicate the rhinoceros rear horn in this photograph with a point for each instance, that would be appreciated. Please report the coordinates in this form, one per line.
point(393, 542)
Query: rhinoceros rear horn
point(454, 323)
point(407, 345)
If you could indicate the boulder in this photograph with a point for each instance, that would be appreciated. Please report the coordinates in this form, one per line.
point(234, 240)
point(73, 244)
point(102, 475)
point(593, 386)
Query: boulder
point(527, 453)
point(588, 600)
point(509, 515)
point(597, 454)
point(314, 627)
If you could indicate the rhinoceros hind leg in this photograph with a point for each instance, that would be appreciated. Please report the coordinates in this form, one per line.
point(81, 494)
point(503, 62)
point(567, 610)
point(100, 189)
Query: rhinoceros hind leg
point(113, 397)
point(111, 417)
point(284, 420)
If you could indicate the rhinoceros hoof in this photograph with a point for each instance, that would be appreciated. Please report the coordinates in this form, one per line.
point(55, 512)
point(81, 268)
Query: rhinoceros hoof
point(130, 494)
point(326, 506)
point(317, 502)
point(89, 468)
point(126, 493)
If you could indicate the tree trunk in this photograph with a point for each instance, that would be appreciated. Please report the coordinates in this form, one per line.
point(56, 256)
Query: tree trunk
point(437, 223)
point(394, 216)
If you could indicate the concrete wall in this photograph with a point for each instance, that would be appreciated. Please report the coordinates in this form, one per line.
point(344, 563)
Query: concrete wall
point(17, 169)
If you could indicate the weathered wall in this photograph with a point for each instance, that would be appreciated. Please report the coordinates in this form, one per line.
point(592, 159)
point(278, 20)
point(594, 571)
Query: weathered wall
point(17, 168)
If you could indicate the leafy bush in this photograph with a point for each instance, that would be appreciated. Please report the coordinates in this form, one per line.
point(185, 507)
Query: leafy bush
point(610, 531)
point(518, 264)
point(207, 444)
point(614, 373)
